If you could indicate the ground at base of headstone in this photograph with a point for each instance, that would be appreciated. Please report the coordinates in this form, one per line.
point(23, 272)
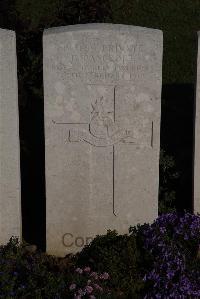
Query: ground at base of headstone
point(161, 259)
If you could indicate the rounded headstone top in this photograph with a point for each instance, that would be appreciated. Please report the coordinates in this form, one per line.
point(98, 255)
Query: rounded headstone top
point(102, 26)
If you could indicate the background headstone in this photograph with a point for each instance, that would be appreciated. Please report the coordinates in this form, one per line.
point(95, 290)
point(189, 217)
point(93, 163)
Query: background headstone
point(102, 88)
point(10, 205)
point(197, 138)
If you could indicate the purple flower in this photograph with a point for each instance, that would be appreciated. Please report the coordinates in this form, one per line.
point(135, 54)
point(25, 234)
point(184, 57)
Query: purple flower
point(81, 292)
point(89, 289)
point(94, 275)
point(87, 269)
point(97, 287)
point(166, 240)
point(79, 270)
point(72, 286)
point(104, 276)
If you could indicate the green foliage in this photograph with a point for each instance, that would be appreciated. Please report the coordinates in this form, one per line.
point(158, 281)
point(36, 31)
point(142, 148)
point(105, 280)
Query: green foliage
point(159, 258)
point(26, 275)
point(30, 275)
point(121, 256)
point(168, 177)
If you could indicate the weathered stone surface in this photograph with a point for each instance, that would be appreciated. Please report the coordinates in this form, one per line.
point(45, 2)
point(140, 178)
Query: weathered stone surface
point(197, 138)
point(102, 87)
point(10, 211)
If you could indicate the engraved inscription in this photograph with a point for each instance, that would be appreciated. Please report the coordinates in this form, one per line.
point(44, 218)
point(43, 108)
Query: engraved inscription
point(92, 59)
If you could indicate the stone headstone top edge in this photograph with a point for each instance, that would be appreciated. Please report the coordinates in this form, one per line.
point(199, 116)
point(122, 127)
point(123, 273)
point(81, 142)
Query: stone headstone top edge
point(7, 32)
point(102, 26)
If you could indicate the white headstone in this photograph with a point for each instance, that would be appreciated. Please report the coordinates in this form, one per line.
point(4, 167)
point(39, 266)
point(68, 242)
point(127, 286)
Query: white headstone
point(102, 88)
point(197, 138)
point(10, 205)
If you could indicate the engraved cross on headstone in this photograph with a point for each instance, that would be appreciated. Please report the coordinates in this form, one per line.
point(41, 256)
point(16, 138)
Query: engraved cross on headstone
point(103, 131)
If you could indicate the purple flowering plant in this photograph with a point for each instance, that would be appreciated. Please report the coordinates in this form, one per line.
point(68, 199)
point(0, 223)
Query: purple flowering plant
point(24, 275)
point(173, 241)
point(89, 284)
point(158, 260)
